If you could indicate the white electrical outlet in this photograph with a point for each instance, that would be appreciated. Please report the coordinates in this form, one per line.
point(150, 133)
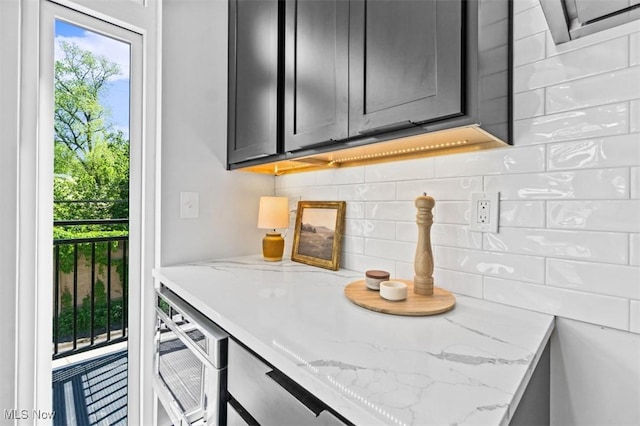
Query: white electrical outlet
point(484, 211)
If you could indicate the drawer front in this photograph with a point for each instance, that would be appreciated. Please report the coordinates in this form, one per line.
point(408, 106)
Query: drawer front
point(255, 385)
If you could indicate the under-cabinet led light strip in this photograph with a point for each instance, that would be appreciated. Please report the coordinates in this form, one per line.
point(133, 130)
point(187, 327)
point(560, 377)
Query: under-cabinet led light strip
point(398, 152)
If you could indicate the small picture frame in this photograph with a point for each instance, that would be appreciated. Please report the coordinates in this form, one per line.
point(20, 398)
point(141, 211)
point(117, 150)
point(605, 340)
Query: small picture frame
point(317, 240)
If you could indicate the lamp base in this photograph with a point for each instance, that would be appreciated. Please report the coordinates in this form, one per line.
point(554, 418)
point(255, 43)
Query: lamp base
point(272, 247)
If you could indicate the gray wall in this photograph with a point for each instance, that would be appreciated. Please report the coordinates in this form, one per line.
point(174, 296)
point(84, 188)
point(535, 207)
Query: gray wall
point(194, 131)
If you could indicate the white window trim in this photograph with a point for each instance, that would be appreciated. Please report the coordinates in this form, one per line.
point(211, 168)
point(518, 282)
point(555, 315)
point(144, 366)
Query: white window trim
point(35, 199)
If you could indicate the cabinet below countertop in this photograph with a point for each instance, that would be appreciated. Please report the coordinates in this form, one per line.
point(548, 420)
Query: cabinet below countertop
point(471, 365)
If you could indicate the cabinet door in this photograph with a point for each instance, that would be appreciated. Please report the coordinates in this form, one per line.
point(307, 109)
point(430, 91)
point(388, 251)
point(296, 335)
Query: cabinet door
point(268, 398)
point(316, 72)
point(406, 63)
point(253, 79)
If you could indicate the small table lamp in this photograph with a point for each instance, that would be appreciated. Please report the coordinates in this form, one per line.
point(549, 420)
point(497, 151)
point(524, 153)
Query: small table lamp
point(273, 213)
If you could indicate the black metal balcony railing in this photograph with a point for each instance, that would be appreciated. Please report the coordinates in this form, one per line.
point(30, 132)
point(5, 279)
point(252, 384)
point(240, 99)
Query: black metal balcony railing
point(90, 288)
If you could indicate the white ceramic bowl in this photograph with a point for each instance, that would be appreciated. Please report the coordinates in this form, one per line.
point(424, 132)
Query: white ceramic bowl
point(393, 290)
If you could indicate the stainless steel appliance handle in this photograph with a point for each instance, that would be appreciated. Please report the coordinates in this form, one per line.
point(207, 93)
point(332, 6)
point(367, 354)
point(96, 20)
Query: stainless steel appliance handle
point(218, 356)
point(185, 339)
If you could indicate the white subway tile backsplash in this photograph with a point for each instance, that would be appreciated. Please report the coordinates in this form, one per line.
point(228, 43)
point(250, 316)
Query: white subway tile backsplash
point(458, 282)
point(401, 210)
point(357, 262)
point(354, 210)
point(353, 244)
point(321, 178)
point(295, 180)
point(612, 151)
point(612, 55)
point(511, 266)
point(569, 235)
point(319, 193)
point(611, 87)
point(530, 21)
point(634, 320)
point(635, 182)
point(354, 227)
point(383, 230)
point(411, 169)
point(593, 246)
point(439, 189)
point(521, 5)
point(579, 184)
point(404, 270)
point(634, 49)
point(529, 49)
point(408, 231)
point(604, 310)
point(453, 212)
point(394, 250)
point(604, 120)
point(634, 120)
point(489, 162)
point(527, 214)
point(528, 104)
point(601, 215)
point(292, 192)
point(444, 235)
point(634, 249)
point(341, 176)
point(591, 277)
point(368, 191)
point(455, 236)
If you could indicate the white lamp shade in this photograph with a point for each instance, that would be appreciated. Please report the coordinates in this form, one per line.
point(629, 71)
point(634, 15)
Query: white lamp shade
point(273, 212)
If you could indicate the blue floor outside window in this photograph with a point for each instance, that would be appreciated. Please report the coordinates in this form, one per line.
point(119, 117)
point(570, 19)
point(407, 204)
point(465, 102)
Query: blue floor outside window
point(92, 392)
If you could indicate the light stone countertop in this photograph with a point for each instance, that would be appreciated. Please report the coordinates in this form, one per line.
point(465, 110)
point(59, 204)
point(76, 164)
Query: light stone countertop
point(470, 365)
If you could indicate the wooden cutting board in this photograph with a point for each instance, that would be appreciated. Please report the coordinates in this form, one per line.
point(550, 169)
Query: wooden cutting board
point(414, 305)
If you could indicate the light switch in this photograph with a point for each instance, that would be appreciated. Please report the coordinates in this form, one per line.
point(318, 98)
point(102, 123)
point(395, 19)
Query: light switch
point(189, 205)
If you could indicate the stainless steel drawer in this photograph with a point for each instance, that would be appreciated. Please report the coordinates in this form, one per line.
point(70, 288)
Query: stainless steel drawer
point(269, 396)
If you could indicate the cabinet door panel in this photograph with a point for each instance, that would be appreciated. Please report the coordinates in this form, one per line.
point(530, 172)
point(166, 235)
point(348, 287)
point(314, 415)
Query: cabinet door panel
point(253, 79)
point(399, 64)
point(316, 82)
point(406, 62)
point(265, 399)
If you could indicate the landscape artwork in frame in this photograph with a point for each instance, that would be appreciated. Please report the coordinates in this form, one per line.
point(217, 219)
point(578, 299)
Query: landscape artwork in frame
point(318, 233)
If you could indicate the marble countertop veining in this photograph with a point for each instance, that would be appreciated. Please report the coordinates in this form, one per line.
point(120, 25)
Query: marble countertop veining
point(467, 366)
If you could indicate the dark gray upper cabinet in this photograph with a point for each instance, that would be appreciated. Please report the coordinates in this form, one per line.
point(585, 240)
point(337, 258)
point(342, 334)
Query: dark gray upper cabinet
point(254, 66)
point(405, 63)
point(311, 77)
point(316, 72)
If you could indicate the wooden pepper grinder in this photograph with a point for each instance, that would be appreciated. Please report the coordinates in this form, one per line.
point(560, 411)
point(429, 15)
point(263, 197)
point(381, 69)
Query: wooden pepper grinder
point(423, 264)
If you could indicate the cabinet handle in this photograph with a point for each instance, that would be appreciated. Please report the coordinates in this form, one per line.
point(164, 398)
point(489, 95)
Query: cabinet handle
point(388, 128)
point(312, 403)
point(242, 412)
